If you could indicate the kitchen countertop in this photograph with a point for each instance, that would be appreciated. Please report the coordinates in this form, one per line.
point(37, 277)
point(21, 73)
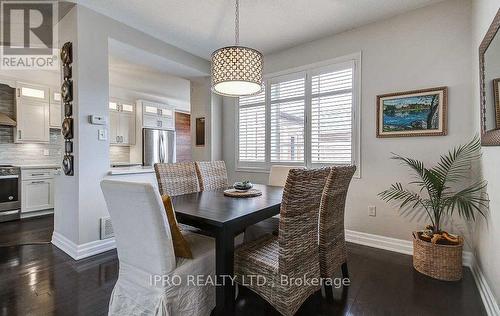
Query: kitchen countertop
point(38, 166)
point(125, 164)
point(130, 170)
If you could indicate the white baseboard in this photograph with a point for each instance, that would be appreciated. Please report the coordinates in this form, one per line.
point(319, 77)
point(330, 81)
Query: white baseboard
point(36, 213)
point(78, 252)
point(392, 244)
point(489, 300)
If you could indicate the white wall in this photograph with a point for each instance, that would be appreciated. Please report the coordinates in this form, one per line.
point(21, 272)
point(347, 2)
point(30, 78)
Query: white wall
point(200, 107)
point(487, 234)
point(425, 48)
point(79, 203)
point(134, 84)
point(206, 104)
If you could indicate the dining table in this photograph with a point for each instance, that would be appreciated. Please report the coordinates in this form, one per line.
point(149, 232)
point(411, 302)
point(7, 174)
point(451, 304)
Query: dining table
point(225, 217)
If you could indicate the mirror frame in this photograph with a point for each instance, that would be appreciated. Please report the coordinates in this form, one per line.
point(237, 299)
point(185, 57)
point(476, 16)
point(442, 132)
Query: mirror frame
point(491, 137)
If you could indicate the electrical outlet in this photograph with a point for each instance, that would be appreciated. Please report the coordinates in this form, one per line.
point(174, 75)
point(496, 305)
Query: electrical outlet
point(372, 211)
point(46, 152)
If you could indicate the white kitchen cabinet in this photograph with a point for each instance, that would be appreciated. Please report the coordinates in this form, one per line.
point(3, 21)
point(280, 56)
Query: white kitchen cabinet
point(55, 107)
point(32, 92)
point(156, 115)
point(37, 190)
point(32, 114)
point(37, 195)
point(121, 123)
point(32, 121)
point(126, 128)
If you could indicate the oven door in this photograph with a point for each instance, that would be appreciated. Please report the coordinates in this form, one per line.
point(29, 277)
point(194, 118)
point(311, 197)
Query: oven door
point(9, 193)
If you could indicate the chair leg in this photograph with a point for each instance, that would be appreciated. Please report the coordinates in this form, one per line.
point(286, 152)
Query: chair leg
point(345, 271)
point(327, 290)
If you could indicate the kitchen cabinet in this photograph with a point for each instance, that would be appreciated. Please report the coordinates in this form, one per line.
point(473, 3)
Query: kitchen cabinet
point(32, 122)
point(121, 123)
point(32, 114)
point(156, 115)
point(37, 189)
point(55, 107)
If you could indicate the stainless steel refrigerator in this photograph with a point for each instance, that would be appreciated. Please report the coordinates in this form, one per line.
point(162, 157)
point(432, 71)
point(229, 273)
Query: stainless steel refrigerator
point(158, 146)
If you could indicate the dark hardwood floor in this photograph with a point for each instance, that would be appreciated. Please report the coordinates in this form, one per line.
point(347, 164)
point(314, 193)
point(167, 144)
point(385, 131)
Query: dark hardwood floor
point(31, 230)
point(42, 280)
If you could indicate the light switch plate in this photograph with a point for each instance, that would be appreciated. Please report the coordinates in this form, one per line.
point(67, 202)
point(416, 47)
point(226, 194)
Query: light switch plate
point(46, 152)
point(102, 134)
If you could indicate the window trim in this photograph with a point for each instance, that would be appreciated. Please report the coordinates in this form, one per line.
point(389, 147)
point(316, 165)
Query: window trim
point(264, 167)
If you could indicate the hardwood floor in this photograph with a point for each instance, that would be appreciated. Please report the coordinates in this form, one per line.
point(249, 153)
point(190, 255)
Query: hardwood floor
point(42, 280)
point(29, 230)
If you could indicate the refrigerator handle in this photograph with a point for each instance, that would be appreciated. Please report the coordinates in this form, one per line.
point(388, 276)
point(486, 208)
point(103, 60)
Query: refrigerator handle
point(162, 149)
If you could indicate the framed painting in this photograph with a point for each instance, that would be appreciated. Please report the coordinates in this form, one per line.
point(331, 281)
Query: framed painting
point(413, 113)
point(496, 94)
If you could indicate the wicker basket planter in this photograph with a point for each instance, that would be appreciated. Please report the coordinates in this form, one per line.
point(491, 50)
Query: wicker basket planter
point(442, 262)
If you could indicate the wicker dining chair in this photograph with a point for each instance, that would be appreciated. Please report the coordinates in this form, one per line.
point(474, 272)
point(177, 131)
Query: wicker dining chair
point(294, 252)
point(212, 175)
point(332, 247)
point(177, 178)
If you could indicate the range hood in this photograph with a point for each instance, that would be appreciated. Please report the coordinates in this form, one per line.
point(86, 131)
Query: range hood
point(6, 121)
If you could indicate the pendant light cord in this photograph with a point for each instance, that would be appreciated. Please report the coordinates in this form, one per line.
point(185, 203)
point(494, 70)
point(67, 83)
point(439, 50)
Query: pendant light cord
point(237, 24)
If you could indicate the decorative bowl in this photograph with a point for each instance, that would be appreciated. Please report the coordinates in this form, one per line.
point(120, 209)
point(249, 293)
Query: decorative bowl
point(243, 186)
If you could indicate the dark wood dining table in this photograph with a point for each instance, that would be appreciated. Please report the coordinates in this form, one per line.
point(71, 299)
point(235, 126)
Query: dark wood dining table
point(225, 217)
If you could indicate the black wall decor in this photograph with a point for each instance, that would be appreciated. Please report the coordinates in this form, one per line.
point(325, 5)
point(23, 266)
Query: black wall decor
point(67, 96)
point(67, 165)
point(67, 128)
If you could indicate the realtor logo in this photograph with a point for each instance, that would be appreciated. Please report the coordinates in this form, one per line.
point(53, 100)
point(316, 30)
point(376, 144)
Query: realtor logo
point(29, 35)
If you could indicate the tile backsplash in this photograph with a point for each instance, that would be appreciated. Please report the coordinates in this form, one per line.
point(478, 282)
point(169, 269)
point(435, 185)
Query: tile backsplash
point(26, 154)
point(119, 154)
point(11, 153)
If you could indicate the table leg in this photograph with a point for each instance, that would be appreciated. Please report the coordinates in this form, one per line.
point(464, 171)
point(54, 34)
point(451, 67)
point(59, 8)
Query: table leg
point(224, 261)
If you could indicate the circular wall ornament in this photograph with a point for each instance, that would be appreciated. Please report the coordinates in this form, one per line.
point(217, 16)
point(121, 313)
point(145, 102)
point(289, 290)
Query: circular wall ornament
point(67, 165)
point(67, 128)
point(67, 91)
point(67, 53)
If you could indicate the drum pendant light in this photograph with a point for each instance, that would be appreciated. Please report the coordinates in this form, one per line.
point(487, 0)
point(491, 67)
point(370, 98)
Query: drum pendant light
point(237, 70)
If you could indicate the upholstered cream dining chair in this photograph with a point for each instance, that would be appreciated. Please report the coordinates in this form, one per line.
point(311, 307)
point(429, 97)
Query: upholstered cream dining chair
point(146, 256)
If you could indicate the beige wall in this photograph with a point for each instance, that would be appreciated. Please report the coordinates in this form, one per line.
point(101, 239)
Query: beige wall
point(425, 48)
point(487, 242)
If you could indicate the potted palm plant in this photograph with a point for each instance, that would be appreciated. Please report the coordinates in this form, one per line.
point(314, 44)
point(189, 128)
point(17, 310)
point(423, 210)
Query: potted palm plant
point(441, 191)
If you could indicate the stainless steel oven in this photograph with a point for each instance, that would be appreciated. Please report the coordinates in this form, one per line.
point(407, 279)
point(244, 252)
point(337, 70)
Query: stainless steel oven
point(10, 193)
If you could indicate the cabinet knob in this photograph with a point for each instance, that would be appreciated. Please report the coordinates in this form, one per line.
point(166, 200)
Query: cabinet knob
point(10, 197)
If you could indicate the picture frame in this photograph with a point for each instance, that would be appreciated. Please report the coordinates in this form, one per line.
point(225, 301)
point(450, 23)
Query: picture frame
point(413, 113)
point(496, 99)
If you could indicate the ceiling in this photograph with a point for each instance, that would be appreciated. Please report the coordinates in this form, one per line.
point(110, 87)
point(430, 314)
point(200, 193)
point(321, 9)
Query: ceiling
point(201, 26)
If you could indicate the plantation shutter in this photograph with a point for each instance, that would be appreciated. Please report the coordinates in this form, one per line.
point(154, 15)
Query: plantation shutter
point(252, 128)
point(287, 104)
point(332, 115)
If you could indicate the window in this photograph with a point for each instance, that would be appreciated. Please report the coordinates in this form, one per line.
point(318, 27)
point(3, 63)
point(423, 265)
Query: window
point(308, 118)
point(287, 120)
point(331, 116)
point(252, 128)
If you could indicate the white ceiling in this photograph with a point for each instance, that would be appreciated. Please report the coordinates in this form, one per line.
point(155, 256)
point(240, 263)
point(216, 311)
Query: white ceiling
point(201, 26)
